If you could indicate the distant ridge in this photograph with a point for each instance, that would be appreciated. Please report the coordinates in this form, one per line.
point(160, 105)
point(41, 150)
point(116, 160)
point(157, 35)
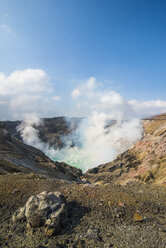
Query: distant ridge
point(50, 129)
point(157, 117)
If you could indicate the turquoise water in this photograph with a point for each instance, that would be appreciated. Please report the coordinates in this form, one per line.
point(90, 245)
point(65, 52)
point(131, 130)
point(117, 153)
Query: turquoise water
point(74, 160)
point(73, 156)
point(77, 164)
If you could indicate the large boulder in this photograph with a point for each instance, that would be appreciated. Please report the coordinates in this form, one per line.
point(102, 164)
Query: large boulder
point(45, 209)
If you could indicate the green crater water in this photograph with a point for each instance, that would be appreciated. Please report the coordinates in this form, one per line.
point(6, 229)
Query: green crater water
point(78, 163)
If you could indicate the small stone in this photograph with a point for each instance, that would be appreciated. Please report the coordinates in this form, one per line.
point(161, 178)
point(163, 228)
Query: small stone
point(15, 191)
point(29, 226)
point(50, 231)
point(138, 217)
point(121, 204)
point(109, 234)
point(93, 233)
point(85, 181)
point(19, 215)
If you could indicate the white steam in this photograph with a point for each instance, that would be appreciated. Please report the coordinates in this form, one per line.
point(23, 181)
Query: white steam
point(29, 133)
point(96, 139)
point(97, 144)
point(109, 128)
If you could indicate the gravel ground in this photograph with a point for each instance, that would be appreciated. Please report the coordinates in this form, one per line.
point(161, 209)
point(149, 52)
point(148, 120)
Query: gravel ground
point(99, 215)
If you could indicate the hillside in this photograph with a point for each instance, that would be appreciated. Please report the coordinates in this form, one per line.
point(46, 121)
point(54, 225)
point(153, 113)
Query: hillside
point(51, 130)
point(144, 162)
point(16, 156)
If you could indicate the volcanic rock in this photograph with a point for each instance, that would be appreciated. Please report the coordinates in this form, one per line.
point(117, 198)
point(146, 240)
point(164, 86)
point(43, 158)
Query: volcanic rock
point(144, 162)
point(45, 209)
point(94, 214)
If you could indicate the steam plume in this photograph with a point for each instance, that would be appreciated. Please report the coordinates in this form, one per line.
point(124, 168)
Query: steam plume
point(109, 128)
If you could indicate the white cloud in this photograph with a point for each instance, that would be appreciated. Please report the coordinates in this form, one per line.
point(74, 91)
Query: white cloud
point(5, 28)
point(29, 81)
point(145, 108)
point(30, 91)
point(112, 98)
point(26, 92)
point(56, 98)
point(24, 103)
point(91, 83)
point(86, 87)
point(75, 93)
point(112, 103)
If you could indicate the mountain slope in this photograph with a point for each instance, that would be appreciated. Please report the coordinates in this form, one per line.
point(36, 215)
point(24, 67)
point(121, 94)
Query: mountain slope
point(145, 161)
point(50, 130)
point(16, 156)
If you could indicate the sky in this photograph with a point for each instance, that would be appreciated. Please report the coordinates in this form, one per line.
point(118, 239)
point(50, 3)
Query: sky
point(49, 50)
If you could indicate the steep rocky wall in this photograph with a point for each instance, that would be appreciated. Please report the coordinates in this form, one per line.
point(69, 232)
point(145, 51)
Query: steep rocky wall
point(145, 161)
point(16, 156)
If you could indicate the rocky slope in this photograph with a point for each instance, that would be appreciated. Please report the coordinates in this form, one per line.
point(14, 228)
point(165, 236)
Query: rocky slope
point(100, 213)
point(51, 130)
point(16, 156)
point(144, 162)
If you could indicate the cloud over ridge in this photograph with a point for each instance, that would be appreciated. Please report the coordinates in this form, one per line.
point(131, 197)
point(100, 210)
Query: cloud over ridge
point(30, 91)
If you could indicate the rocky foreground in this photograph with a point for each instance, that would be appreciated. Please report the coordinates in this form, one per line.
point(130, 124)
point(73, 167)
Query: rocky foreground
point(121, 204)
point(98, 215)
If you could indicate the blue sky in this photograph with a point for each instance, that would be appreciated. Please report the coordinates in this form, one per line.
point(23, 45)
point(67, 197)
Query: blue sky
point(121, 43)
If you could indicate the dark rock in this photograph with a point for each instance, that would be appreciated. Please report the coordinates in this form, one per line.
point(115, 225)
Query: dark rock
point(93, 171)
